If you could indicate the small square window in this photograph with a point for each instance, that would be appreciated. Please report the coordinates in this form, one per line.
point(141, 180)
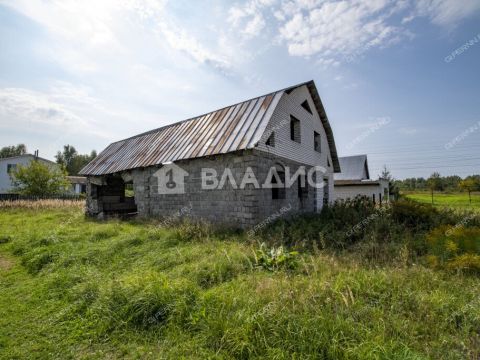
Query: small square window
point(317, 144)
point(294, 129)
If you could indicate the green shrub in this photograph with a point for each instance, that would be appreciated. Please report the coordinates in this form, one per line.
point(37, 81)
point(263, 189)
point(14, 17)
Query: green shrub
point(338, 226)
point(414, 214)
point(276, 258)
point(458, 249)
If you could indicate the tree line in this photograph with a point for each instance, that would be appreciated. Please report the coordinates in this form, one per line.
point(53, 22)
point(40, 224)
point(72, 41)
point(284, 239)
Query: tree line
point(436, 182)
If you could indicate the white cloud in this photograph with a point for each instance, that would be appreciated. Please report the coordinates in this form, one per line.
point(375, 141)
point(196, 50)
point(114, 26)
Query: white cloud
point(446, 12)
point(336, 30)
point(27, 109)
point(63, 109)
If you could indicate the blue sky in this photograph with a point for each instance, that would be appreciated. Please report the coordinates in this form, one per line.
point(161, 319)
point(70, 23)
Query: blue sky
point(389, 73)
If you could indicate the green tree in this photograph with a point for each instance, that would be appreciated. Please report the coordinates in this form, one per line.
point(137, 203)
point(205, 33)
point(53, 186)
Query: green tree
point(435, 183)
point(470, 184)
point(72, 161)
point(39, 179)
point(392, 187)
point(9, 151)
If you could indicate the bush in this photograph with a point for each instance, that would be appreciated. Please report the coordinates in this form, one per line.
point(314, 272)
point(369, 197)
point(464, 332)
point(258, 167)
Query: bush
point(458, 249)
point(414, 214)
point(337, 226)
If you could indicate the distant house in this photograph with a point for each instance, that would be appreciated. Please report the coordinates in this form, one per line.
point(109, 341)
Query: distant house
point(79, 184)
point(200, 163)
point(354, 180)
point(10, 163)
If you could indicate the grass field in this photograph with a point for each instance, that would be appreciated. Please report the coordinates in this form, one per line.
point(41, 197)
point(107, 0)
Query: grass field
point(458, 200)
point(76, 288)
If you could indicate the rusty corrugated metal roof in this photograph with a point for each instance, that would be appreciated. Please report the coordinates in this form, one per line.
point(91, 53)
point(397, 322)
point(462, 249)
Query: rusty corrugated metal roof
point(236, 127)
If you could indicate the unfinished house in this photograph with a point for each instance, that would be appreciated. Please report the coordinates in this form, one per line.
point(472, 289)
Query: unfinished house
point(161, 173)
point(354, 180)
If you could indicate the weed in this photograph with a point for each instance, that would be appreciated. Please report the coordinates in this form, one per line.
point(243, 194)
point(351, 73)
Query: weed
point(276, 258)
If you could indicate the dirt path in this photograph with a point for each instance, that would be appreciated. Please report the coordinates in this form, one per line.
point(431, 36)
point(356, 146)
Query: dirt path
point(5, 264)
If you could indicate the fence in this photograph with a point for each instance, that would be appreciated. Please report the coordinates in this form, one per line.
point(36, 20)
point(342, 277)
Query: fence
point(15, 197)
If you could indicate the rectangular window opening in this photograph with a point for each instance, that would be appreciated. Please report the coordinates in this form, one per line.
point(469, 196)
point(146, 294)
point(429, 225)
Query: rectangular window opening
point(317, 144)
point(278, 193)
point(294, 129)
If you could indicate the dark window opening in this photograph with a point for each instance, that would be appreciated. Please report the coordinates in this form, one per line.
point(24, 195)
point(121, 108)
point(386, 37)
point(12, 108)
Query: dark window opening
point(302, 187)
point(11, 167)
point(317, 144)
point(116, 197)
point(306, 106)
point(83, 188)
point(326, 193)
point(380, 197)
point(278, 191)
point(271, 140)
point(373, 198)
point(294, 129)
point(129, 190)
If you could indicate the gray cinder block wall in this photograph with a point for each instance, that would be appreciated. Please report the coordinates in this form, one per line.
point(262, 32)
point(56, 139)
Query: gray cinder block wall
point(236, 207)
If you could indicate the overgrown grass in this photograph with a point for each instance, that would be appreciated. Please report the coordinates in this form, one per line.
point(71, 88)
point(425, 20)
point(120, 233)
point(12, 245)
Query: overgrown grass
point(77, 288)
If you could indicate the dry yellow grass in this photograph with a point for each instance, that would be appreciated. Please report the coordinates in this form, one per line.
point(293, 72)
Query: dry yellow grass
point(42, 204)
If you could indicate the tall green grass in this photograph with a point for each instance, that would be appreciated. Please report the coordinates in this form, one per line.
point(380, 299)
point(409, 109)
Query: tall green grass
point(78, 288)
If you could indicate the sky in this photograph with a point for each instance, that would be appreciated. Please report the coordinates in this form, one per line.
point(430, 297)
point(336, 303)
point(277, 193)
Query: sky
point(400, 80)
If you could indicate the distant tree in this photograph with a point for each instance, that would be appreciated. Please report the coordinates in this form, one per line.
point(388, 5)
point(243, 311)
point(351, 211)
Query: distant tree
point(9, 151)
point(435, 183)
point(451, 182)
point(470, 184)
point(39, 179)
point(392, 187)
point(72, 161)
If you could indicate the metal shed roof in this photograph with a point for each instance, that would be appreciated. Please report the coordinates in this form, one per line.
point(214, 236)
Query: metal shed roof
point(233, 128)
point(353, 168)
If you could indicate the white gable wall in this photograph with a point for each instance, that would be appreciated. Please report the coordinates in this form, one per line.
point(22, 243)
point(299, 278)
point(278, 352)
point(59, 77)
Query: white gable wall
point(352, 191)
point(303, 152)
point(5, 180)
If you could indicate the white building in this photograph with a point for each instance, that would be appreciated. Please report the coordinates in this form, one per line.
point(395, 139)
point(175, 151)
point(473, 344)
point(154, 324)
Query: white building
point(354, 180)
point(79, 184)
point(10, 163)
